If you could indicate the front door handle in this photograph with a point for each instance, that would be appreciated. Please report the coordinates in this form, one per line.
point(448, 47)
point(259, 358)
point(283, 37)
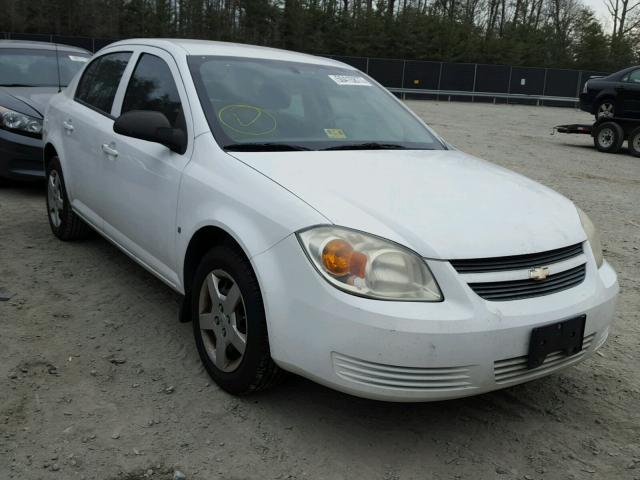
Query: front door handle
point(109, 149)
point(68, 126)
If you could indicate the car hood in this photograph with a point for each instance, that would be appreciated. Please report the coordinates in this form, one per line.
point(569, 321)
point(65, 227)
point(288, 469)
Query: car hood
point(36, 98)
point(442, 204)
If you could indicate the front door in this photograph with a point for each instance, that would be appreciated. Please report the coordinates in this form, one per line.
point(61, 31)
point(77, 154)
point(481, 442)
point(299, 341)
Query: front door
point(629, 94)
point(143, 180)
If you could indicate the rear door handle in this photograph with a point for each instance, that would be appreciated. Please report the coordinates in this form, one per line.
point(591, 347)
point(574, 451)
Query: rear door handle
point(109, 149)
point(68, 126)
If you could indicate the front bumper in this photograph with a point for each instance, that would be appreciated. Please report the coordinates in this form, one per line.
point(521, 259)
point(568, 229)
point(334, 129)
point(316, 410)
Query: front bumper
point(404, 351)
point(20, 156)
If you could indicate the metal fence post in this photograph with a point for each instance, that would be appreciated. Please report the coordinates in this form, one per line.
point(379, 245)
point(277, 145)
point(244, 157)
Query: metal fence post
point(579, 83)
point(509, 84)
point(544, 84)
point(439, 80)
point(404, 64)
point(475, 75)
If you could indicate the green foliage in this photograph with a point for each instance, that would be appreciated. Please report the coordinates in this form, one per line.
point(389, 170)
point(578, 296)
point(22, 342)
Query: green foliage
point(549, 33)
point(592, 47)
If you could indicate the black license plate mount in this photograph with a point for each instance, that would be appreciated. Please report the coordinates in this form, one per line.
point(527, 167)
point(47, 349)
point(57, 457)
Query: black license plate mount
point(565, 337)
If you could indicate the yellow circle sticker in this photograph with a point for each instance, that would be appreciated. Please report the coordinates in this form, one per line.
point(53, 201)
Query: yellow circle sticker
point(247, 119)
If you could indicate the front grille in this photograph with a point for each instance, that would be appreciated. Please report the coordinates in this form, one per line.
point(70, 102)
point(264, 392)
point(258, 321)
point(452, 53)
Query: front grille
point(515, 369)
point(516, 262)
point(519, 289)
point(405, 378)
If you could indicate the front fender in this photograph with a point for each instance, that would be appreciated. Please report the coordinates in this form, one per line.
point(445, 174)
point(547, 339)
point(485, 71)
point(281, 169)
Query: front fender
point(219, 191)
point(607, 92)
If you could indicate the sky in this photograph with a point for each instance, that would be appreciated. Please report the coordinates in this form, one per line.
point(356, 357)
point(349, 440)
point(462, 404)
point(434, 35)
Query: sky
point(602, 14)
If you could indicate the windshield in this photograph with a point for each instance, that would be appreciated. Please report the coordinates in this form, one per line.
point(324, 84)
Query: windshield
point(257, 104)
point(23, 67)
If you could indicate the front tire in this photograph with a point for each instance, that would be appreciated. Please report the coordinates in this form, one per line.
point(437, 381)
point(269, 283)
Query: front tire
point(229, 323)
point(608, 137)
point(64, 223)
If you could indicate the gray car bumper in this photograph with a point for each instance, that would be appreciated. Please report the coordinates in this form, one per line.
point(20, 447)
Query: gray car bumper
point(20, 156)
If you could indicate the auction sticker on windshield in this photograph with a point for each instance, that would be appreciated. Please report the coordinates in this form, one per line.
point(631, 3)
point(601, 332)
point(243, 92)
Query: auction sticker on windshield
point(335, 133)
point(350, 80)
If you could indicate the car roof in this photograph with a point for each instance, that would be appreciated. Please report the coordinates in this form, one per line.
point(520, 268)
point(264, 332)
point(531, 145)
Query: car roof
point(227, 49)
point(34, 45)
point(628, 69)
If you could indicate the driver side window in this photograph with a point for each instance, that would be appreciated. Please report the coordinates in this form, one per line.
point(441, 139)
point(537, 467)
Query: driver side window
point(633, 77)
point(152, 88)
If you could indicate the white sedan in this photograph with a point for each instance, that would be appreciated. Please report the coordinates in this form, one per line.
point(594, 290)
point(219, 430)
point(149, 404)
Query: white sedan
point(316, 225)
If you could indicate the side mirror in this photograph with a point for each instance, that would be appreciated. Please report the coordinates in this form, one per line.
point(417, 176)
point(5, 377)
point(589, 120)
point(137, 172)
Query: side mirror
point(153, 127)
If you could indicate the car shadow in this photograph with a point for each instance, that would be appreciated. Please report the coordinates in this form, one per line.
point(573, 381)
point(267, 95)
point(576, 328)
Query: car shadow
point(622, 151)
point(537, 398)
point(30, 188)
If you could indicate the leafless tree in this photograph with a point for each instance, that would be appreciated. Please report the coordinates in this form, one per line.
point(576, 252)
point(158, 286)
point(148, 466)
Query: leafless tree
point(625, 15)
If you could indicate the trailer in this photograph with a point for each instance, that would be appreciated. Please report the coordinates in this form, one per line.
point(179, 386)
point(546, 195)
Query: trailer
point(608, 133)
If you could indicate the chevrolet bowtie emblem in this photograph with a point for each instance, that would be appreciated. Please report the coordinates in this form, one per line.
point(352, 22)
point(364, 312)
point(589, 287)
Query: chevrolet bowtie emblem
point(539, 273)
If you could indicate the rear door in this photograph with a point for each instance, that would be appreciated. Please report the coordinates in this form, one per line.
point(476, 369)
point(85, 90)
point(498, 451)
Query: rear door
point(629, 94)
point(145, 177)
point(87, 125)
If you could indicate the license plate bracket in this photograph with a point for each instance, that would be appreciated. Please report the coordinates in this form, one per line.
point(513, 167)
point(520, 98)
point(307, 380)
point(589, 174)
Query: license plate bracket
point(565, 336)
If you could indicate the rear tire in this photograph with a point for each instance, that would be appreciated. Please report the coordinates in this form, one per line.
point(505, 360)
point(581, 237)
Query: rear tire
point(608, 137)
point(229, 323)
point(64, 223)
point(605, 108)
point(634, 142)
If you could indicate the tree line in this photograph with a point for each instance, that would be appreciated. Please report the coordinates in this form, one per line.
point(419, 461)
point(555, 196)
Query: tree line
point(547, 33)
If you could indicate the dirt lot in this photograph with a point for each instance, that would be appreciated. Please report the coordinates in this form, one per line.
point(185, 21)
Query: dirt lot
point(98, 380)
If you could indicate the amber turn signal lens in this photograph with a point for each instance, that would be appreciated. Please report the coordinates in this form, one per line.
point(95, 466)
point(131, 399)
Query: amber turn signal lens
point(339, 259)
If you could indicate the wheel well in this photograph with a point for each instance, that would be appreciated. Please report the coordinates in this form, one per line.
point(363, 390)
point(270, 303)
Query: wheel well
point(201, 242)
point(606, 96)
point(49, 153)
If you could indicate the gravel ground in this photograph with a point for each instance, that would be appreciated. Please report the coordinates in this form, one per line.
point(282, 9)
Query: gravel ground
point(98, 380)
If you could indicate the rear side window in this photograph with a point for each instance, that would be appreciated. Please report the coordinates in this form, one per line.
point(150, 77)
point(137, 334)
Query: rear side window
point(99, 83)
point(152, 88)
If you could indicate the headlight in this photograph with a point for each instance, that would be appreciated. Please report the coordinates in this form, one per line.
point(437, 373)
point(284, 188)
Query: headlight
point(592, 236)
point(369, 266)
point(12, 120)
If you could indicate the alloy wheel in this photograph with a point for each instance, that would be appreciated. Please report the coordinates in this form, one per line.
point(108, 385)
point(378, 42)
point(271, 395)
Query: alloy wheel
point(55, 199)
point(605, 110)
point(223, 320)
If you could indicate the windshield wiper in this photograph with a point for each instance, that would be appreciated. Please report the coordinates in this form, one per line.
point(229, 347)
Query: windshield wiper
point(263, 147)
point(24, 85)
point(368, 146)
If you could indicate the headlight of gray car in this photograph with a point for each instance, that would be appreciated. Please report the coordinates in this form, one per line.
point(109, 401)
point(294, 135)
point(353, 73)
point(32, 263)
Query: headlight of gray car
point(19, 122)
point(593, 236)
point(369, 266)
